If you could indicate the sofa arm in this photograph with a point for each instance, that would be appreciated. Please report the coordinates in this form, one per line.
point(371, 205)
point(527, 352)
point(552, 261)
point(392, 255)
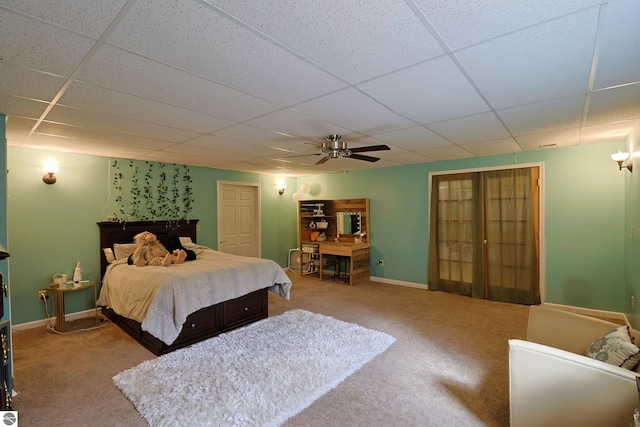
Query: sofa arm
point(552, 387)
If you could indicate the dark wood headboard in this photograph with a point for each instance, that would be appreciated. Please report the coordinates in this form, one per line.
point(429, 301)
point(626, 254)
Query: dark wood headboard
point(123, 232)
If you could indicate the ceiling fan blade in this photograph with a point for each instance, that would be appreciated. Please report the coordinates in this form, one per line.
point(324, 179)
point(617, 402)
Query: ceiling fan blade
point(322, 160)
point(369, 148)
point(363, 157)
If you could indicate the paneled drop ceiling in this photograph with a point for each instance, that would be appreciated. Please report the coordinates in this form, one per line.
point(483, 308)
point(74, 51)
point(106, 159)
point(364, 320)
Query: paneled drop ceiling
point(256, 85)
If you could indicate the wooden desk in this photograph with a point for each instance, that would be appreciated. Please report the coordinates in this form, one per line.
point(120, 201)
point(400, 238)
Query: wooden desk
point(358, 254)
point(59, 294)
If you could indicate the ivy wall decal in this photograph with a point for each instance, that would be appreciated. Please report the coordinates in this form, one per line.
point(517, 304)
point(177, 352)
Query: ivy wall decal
point(157, 197)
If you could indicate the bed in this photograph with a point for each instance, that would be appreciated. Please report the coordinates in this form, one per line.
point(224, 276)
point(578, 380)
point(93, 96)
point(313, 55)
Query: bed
point(166, 308)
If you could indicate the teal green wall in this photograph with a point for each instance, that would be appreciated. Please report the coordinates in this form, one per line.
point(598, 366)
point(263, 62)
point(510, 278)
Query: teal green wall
point(3, 209)
point(586, 201)
point(584, 204)
point(632, 244)
point(51, 227)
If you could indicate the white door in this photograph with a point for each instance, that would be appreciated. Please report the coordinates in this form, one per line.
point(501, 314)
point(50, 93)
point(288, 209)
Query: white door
point(239, 218)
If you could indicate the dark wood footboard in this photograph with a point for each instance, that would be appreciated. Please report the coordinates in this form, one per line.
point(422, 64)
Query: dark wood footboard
point(204, 323)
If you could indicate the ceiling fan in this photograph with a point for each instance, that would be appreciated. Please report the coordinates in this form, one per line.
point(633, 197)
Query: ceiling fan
point(332, 148)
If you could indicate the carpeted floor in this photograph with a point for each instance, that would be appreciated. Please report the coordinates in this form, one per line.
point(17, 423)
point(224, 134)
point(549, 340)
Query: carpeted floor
point(448, 366)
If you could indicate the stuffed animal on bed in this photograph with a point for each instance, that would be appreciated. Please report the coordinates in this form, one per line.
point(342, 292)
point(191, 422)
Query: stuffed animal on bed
point(149, 251)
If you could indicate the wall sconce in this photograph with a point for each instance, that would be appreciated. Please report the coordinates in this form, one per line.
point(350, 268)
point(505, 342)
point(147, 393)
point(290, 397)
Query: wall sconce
point(281, 188)
point(50, 168)
point(620, 157)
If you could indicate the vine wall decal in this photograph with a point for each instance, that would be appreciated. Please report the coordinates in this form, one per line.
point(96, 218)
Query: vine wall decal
point(145, 192)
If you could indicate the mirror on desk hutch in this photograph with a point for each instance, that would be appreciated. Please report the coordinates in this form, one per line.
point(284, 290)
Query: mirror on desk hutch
point(349, 223)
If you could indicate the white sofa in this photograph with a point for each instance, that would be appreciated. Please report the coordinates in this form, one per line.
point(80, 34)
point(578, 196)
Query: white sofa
point(551, 383)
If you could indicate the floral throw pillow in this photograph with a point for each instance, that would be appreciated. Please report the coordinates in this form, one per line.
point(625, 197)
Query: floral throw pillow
point(615, 348)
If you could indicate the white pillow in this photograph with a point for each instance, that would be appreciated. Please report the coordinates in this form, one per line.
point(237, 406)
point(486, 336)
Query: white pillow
point(123, 250)
point(108, 254)
point(185, 241)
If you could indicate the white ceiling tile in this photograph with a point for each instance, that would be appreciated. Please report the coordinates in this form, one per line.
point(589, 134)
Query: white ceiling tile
point(193, 150)
point(93, 98)
point(491, 148)
point(544, 62)
point(121, 125)
point(412, 92)
point(340, 35)
point(125, 72)
point(409, 158)
point(17, 129)
point(250, 134)
point(446, 153)
point(295, 123)
point(90, 17)
point(303, 159)
point(558, 138)
point(97, 148)
point(619, 47)
point(357, 112)
point(545, 116)
point(83, 134)
point(51, 49)
point(28, 83)
point(219, 49)
point(466, 130)
point(213, 142)
point(613, 105)
point(607, 132)
point(169, 157)
point(13, 106)
point(413, 139)
point(465, 22)
point(268, 162)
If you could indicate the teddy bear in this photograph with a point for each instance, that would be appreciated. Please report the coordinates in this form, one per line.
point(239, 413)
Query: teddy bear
point(149, 251)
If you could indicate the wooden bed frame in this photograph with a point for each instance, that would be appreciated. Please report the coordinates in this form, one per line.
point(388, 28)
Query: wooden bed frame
point(204, 323)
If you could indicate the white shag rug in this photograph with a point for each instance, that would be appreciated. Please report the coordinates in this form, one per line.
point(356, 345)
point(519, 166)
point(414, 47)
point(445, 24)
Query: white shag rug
point(259, 375)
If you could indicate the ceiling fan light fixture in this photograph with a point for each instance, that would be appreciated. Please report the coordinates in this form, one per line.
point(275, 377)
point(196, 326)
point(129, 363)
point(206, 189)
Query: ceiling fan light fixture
point(333, 148)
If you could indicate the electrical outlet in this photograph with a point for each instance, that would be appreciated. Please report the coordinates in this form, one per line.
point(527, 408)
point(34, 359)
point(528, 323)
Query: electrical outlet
point(381, 262)
point(42, 295)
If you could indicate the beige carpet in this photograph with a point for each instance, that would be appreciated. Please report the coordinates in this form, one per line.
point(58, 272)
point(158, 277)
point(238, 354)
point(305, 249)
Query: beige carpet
point(448, 366)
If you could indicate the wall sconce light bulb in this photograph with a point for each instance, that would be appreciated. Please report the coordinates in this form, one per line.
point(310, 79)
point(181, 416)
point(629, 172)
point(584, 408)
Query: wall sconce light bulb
point(50, 166)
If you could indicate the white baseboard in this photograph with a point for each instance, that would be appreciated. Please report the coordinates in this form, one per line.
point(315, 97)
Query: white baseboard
point(399, 283)
point(40, 323)
point(590, 312)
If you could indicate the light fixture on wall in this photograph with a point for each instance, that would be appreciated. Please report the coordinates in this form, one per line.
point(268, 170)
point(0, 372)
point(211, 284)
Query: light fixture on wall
point(281, 188)
point(50, 168)
point(620, 157)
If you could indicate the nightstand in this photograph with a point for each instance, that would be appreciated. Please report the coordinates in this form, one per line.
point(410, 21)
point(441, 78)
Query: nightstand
point(60, 291)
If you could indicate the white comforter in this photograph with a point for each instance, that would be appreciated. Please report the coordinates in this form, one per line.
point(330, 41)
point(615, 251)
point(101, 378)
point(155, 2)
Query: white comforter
point(161, 298)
